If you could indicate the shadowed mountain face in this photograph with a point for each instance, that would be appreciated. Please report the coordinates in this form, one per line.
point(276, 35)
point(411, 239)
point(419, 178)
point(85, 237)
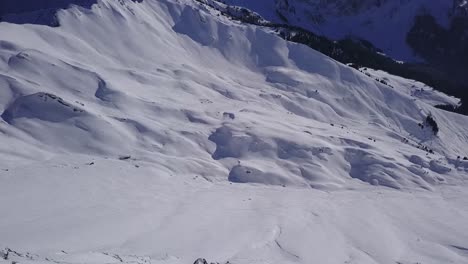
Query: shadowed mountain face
point(22, 6)
point(386, 24)
point(449, 46)
point(444, 47)
point(40, 12)
point(353, 7)
point(334, 7)
point(36, 11)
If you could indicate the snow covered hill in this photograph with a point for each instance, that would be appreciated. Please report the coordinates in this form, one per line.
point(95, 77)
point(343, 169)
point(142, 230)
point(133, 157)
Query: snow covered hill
point(163, 129)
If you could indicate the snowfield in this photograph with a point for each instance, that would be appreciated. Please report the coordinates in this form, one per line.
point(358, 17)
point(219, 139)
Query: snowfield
point(161, 132)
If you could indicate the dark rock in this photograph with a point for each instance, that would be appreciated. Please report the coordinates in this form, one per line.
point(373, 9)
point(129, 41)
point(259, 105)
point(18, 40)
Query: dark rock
point(229, 115)
point(200, 261)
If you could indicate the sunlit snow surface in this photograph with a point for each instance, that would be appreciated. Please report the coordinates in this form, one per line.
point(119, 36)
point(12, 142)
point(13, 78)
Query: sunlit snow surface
point(162, 132)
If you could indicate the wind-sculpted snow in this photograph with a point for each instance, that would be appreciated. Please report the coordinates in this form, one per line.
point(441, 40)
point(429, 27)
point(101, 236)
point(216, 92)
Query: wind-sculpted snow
point(150, 127)
point(42, 106)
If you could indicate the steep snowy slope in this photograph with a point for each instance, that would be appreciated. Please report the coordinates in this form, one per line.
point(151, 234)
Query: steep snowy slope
point(418, 90)
point(162, 128)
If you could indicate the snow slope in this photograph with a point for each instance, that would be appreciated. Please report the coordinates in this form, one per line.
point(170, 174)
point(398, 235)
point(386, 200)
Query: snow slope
point(418, 90)
point(163, 129)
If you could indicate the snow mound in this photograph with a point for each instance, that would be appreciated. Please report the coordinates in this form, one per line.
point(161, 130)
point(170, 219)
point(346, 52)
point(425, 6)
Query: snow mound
point(60, 124)
point(43, 106)
point(241, 174)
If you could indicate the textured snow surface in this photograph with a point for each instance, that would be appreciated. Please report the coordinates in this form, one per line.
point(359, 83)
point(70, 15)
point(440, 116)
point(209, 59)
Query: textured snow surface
point(162, 131)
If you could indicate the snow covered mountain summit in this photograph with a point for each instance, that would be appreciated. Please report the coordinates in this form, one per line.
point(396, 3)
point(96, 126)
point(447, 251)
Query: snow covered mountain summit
point(163, 128)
